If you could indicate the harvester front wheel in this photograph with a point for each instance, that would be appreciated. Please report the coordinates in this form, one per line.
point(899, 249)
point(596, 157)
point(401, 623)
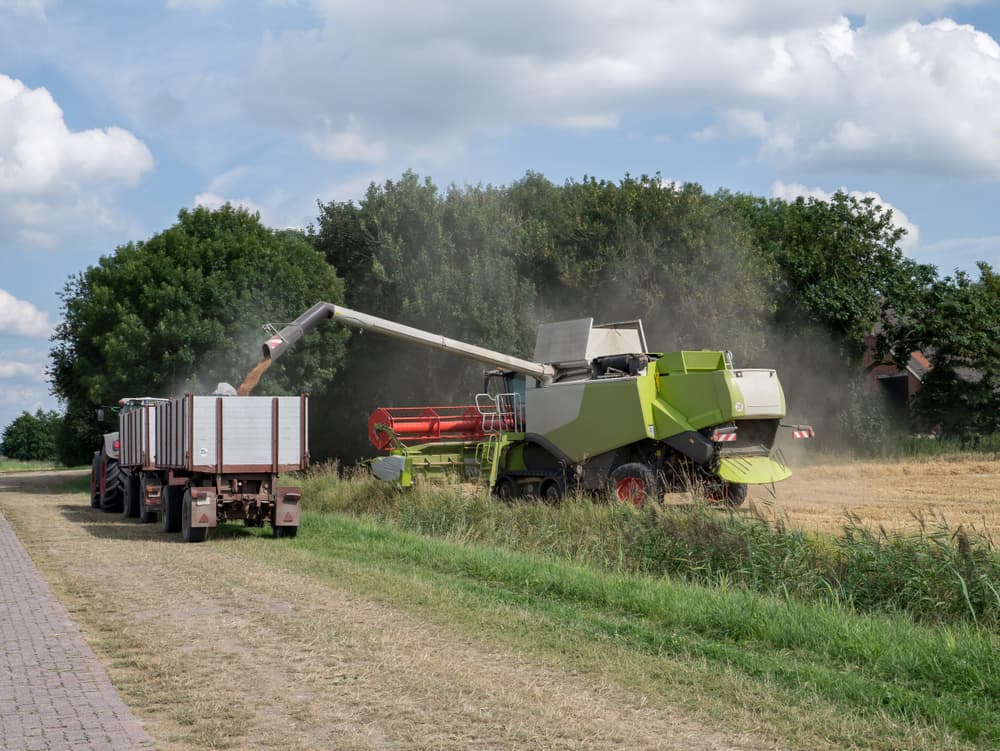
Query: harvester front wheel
point(634, 483)
point(551, 491)
point(189, 533)
point(507, 489)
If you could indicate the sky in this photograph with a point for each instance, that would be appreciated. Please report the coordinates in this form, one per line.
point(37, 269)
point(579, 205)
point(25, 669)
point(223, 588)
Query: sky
point(114, 115)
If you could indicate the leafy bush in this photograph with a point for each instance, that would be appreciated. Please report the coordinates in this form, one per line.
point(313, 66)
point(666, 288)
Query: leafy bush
point(32, 437)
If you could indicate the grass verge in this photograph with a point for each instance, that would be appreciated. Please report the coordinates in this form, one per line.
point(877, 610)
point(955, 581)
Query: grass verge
point(809, 675)
point(938, 575)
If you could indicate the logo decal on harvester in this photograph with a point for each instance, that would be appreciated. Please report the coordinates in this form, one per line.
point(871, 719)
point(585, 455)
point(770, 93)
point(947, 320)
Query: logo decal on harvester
point(739, 406)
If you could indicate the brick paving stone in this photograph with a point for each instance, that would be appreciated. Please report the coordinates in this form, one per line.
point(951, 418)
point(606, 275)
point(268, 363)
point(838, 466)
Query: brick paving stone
point(54, 693)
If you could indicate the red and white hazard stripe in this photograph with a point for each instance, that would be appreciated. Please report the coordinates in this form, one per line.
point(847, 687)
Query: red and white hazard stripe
point(724, 437)
point(803, 431)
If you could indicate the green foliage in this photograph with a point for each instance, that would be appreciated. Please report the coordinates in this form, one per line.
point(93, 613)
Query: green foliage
point(938, 576)
point(31, 437)
point(955, 322)
point(183, 310)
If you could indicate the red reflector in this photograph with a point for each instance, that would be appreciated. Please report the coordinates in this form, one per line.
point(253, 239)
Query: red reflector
point(203, 519)
point(289, 518)
point(117, 444)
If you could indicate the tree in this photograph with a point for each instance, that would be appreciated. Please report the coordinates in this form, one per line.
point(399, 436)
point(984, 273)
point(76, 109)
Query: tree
point(183, 310)
point(31, 437)
point(954, 321)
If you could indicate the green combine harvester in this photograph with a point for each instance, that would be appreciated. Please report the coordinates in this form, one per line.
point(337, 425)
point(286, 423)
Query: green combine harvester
point(594, 411)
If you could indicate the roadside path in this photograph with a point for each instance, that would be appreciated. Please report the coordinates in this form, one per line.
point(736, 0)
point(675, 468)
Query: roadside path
point(54, 694)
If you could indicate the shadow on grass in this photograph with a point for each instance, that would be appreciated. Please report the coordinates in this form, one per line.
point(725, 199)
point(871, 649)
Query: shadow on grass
point(114, 526)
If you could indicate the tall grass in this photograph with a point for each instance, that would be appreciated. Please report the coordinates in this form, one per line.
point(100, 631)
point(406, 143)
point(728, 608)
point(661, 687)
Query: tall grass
point(936, 575)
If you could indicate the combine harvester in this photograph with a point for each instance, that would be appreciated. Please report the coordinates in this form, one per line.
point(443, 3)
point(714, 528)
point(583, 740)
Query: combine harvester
point(594, 411)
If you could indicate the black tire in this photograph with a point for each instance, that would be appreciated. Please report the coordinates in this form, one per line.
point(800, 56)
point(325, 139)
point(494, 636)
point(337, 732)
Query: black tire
point(728, 494)
point(287, 532)
point(111, 498)
point(172, 497)
point(146, 516)
point(95, 481)
point(634, 483)
point(550, 491)
point(189, 533)
point(130, 495)
point(507, 489)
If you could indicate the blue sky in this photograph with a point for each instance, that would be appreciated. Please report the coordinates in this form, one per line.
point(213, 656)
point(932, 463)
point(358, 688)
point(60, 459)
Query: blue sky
point(115, 115)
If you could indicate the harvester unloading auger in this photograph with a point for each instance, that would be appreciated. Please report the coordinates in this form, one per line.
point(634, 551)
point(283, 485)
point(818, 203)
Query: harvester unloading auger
point(594, 410)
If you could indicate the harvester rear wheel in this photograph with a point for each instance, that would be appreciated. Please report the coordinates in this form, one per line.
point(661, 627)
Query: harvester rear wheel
point(634, 483)
point(551, 491)
point(728, 494)
point(111, 484)
point(189, 533)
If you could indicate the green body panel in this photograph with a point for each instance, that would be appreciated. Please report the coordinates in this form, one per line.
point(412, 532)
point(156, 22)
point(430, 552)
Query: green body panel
point(587, 418)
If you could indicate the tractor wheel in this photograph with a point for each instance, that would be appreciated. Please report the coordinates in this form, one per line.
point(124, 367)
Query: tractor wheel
point(728, 494)
point(172, 508)
point(634, 483)
point(189, 533)
point(550, 491)
point(130, 496)
point(145, 516)
point(111, 484)
point(287, 532)
point(507, 489)
point(95, 481)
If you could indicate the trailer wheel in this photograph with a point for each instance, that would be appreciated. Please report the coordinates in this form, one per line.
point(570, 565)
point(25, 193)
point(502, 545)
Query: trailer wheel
point(728, 494)
point(189, 533)
point(172, 509)
point(130, 496)
point(95, 484)
point(111, 484)
point(634, 483)
point(507, 489)
point(146, 516)
point(285, 531)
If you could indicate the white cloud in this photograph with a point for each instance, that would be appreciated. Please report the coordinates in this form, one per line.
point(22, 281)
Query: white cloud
point(215, 201)
point(347, 145)
point(21, 318)
point(802, 79)
point(202, 5)
point(26, 7)
point(52, 179)
point(962, 253)
point(791, 191)
point(13, 369)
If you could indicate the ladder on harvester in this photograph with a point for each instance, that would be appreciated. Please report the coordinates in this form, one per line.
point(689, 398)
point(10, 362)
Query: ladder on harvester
point(501, 414)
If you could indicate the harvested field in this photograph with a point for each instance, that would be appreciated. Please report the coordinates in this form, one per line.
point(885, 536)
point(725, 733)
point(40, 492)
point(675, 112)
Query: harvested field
point(894, 495)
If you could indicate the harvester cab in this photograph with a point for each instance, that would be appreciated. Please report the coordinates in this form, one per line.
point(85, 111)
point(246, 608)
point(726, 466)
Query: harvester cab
point(594, 410)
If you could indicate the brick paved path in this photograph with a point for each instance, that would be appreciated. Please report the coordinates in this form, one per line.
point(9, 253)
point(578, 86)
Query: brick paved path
point(54, 694)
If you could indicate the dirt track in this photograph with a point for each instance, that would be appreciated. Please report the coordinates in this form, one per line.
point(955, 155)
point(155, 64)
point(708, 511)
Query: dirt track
point(213, 648)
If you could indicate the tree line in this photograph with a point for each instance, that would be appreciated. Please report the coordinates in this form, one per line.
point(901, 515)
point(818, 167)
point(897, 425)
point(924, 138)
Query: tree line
point(793, 285)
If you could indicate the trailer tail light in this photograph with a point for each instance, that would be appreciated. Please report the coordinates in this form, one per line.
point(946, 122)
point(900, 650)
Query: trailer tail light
point(117, 444)
point(723, 435)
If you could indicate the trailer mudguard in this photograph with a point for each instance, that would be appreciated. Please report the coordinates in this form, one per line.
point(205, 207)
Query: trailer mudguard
point(287, 507)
